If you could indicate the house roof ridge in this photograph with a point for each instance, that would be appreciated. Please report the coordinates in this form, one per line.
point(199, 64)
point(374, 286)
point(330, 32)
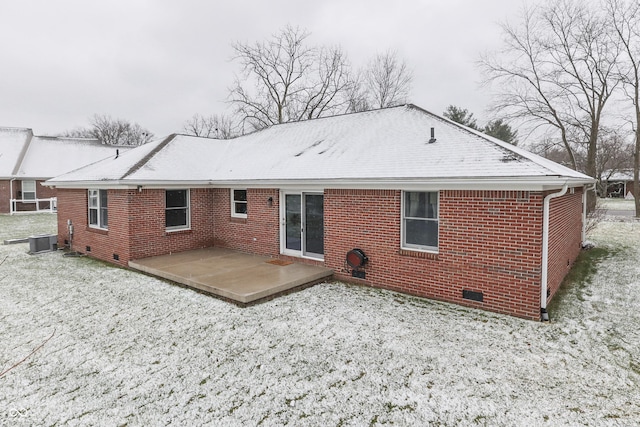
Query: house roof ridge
point(315, 119)
point(149, 156)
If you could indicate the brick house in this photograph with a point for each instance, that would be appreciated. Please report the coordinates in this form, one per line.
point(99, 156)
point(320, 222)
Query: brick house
point(27, 160)
point(439, 210)
point(619, 184)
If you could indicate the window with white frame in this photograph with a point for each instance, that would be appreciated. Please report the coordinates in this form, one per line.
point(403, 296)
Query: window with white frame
point(177, 209)
point(98, 209)
point(28, 190)
point(239, 203)
point(420, 220)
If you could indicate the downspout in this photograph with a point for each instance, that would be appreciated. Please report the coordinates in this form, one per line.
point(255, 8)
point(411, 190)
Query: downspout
point(584, 210)
point(11, 195)
point(545, 250)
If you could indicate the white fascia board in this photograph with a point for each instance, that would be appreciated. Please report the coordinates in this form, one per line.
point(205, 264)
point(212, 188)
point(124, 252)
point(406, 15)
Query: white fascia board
point(513, 184)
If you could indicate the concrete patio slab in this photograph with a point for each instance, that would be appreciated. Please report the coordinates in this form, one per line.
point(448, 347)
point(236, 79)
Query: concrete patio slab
point(239, 277)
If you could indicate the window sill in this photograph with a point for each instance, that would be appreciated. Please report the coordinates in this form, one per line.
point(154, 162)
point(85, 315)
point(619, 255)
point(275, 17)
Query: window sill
point(97, 230)
point(177, 230)
point(237, 220)
point(414, 253)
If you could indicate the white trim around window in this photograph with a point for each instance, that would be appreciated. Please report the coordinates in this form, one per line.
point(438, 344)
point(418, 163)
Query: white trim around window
point(177, 210)
point(98, 214)
point(239, 202)
point(28, 188)
point(420, 220)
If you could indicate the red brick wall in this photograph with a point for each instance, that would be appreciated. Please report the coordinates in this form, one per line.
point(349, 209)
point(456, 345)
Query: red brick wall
point(136, 224)
point(5, 195)
point(565, 234)
point(259, 233)
point(103, 244)
point(490, 242)
point(147, 230)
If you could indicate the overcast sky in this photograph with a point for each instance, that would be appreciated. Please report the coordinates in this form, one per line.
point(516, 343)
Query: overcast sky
point(157, 62)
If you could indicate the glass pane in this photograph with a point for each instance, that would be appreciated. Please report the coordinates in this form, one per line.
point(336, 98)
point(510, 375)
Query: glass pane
point(293, 222)
point(421, 232)
point(28, 186)
point(314, 223)
point(103, 198)
point(28, 195)
point(240, 195)
point(93, 198)
point(176, 217)
point(241, 208)
point(176, 198)
point(104, 220)
point(421, 204)
point(93, 216)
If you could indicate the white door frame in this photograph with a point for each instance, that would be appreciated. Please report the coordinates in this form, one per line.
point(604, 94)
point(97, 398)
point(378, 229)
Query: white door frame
point(283, 224)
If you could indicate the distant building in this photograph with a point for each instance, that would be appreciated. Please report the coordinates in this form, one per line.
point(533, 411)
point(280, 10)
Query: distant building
point(27, 160)
point(620, 184)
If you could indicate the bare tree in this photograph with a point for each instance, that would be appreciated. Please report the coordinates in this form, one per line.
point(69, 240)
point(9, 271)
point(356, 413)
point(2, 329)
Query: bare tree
point(613, 155)
point(283, 79)
point(356, 95)
point(558, 70)
point(387, 80)
point(213, 126)
point(112, 131)
point(625, 19)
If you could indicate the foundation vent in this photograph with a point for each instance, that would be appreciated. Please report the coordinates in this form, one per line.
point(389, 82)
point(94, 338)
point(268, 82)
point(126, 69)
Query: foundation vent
point(472, 295)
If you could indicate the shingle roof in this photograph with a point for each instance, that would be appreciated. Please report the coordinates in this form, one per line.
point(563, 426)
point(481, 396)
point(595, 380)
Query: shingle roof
point(24, 155)
point(47, 157)
point(388, 145)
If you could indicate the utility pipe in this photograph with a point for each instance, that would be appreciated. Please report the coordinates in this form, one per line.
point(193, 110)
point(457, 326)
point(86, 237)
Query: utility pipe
point(545, 250)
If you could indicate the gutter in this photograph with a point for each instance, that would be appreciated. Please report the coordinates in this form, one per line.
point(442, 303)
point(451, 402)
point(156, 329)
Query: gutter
point(545, 250)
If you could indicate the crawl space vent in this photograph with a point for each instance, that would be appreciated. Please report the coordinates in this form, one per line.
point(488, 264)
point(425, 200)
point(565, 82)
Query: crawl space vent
point(472, 295)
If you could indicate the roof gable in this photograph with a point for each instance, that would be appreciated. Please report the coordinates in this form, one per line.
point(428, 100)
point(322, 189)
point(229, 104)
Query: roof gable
point(47, 157)
point(13, 144)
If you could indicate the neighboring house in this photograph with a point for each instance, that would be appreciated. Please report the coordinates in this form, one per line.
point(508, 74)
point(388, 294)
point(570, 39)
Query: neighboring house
point(620, 184)
point(440, 210)
point(27, 160)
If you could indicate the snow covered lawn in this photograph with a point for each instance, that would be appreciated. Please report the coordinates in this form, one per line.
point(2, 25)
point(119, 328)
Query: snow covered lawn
point(125, 348)
point(617, 204)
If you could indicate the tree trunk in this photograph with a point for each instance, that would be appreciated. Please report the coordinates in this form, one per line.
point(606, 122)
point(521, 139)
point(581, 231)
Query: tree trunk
point(591, 167)
point(636, 166)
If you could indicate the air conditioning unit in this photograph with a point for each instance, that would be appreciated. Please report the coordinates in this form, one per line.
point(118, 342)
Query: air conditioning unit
point(43, 243)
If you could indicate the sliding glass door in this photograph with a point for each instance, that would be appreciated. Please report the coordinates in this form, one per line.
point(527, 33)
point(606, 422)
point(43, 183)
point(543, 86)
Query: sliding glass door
point(303, 224)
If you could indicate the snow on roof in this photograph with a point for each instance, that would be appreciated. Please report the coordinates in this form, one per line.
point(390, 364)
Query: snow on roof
point(47, 157)
point(389, 145)
point(622, 175)
point(13, 141)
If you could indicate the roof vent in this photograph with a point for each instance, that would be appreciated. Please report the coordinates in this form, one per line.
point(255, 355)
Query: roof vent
point(509, 158)
point(433, 136)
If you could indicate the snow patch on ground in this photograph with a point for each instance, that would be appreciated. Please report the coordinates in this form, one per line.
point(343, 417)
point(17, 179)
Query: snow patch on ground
point(131, 349)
